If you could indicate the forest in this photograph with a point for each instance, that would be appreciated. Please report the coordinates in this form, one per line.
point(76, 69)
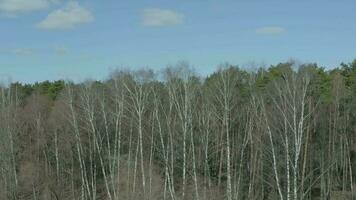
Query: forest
point(283, 132)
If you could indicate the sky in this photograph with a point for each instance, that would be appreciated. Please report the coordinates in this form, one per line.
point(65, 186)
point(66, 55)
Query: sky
point(66, 39)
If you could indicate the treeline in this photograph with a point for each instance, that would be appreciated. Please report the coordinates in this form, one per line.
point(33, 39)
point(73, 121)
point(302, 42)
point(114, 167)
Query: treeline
point(285, 132)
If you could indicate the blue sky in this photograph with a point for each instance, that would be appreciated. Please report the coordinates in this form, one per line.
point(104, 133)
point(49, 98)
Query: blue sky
point(54, 39)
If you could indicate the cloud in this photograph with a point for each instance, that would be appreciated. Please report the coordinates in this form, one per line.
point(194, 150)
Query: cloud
point(14, 7)
point(60, 50)
point(22, 51)
point(17, 51)
point(155, 17)
point(67, 18)
point(270, 30)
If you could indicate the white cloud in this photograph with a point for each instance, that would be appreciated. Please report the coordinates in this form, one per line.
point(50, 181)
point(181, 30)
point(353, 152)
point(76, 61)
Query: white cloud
point(22, 51)
point(14, 7)
point(270, 30)
point(156, 17)
point(17, 51)
point(67, 18)
point(60, 50)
